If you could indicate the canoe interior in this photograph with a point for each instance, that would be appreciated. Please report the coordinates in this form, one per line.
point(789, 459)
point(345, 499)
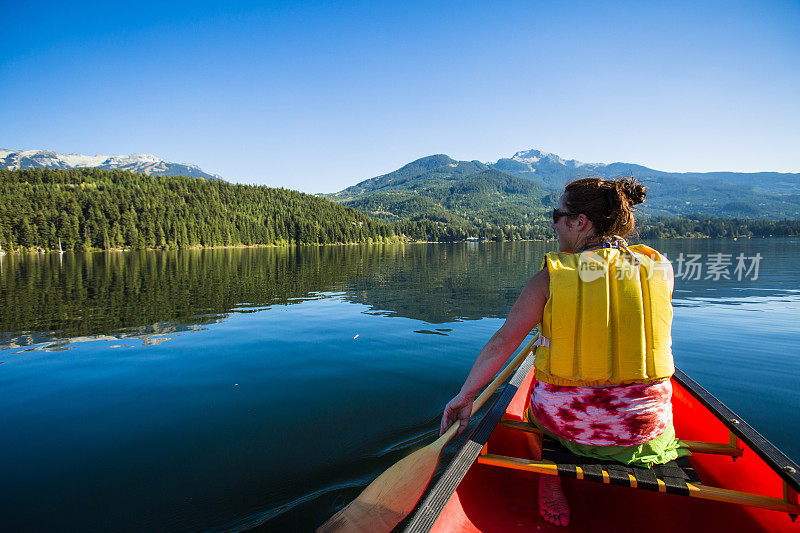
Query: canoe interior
point(493, 499)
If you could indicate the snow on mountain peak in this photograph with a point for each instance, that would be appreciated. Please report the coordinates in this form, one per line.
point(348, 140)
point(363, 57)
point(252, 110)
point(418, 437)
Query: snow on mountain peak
point(533, 156)
point(143, 163)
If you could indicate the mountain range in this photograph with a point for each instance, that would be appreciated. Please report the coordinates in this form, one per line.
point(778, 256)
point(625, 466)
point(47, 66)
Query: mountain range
point(555, 172)
point(141, 163)
point(517, 190)
point(529, 183)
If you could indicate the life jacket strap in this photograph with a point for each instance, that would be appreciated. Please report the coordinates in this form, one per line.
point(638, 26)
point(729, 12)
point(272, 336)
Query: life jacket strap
point(542, 341)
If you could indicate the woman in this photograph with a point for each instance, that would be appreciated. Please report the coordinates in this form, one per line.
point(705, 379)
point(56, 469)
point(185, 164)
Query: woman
point(604, 359)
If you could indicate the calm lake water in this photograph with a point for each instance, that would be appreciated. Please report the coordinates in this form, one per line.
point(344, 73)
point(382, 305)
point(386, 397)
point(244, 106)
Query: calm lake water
point(219, 390)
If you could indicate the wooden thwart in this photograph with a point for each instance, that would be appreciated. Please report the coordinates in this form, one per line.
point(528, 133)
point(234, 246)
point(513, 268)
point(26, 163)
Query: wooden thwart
point(696, 490)
point(717, 448)
point(520, 426)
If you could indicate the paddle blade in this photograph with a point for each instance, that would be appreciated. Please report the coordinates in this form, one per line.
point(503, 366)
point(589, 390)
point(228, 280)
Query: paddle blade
point(390, 498)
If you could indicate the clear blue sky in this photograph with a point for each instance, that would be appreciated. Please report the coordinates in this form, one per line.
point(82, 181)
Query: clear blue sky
point(318, 96)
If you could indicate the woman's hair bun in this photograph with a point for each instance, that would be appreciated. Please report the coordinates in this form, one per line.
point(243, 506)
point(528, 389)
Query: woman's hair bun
point(632, 190)
point(607, 203)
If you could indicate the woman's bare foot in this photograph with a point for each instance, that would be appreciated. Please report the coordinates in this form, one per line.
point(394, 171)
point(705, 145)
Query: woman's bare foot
point(552, 504)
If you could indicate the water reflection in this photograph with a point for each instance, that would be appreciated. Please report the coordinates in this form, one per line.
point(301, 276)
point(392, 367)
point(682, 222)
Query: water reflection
point(141, 294)
point(151, 335)
point(51, 301)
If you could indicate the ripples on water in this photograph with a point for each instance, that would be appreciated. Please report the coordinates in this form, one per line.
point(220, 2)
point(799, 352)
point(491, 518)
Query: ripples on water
point(226, 389)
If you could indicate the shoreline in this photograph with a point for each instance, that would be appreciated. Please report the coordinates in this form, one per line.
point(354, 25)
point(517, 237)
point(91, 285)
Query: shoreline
point(241, 246)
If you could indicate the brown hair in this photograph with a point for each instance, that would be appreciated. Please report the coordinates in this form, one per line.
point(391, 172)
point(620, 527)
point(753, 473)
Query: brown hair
point(607, 203)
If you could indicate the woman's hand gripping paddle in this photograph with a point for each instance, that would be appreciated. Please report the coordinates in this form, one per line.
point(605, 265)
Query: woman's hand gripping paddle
point(394, 494)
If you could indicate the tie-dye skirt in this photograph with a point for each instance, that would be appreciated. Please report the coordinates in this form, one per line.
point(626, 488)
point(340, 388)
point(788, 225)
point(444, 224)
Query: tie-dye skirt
point(631, 424)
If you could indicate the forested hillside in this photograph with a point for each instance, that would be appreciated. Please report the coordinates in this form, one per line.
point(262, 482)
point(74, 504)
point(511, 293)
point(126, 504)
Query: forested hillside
point(700, 226)
point(91, 209)
point(464, 198)
point(95, 209)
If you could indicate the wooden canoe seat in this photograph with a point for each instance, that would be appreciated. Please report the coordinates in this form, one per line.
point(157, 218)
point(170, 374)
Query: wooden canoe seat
point(673, 476)
point(676, 477)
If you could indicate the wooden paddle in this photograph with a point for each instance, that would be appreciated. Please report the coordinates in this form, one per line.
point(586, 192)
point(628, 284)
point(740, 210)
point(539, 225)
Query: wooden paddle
point(392, 496)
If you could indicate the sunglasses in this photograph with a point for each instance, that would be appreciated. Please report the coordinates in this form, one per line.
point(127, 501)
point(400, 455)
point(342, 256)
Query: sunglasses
point(557, 214)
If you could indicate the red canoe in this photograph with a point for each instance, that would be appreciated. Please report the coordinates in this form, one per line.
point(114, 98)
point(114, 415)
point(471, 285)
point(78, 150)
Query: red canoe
point(732, 461)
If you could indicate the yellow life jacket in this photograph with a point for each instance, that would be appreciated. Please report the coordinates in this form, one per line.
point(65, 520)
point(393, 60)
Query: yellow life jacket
point(608, 319)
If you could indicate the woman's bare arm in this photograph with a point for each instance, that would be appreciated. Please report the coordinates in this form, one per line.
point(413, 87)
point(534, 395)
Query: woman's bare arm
point(524, 315)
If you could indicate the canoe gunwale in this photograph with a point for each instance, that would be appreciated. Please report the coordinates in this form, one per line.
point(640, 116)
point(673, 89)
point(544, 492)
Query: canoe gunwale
point(787, 469)
point(430, 509)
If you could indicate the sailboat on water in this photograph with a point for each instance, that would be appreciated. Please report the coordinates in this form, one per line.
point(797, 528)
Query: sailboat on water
point(60, 251)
